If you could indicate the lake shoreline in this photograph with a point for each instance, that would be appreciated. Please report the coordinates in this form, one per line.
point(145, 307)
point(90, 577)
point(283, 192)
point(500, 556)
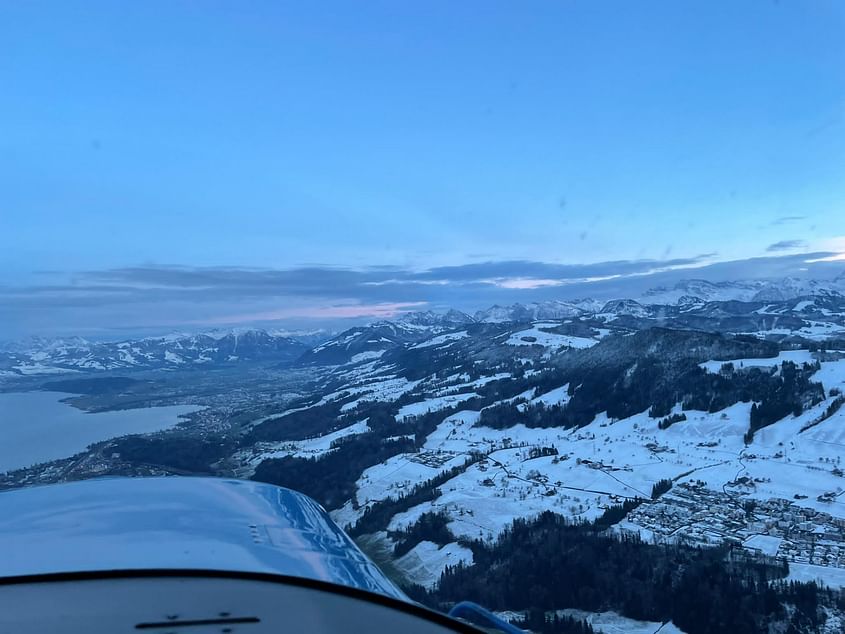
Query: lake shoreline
point(38, 427)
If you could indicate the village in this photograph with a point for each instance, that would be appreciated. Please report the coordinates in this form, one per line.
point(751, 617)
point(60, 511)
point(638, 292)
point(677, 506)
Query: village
point(692, 513)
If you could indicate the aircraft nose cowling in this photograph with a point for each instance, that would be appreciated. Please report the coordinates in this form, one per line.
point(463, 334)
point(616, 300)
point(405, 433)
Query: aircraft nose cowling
point(179, 523)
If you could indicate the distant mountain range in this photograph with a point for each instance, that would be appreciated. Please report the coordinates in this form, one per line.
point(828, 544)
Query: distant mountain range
point(743, 290)
point(789, 307)
point(173, 351)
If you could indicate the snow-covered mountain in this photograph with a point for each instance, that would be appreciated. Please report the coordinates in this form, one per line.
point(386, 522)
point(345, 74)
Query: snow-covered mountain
point(685, 294)
point(618, 307)
point(310, 338)
point(743, 290)
point(364, 343)
point(432, 320)
point(789, 307)
point(539, 310)
point(170, 351)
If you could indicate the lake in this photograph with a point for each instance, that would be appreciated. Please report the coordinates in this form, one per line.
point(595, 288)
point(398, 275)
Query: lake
point(37, 427)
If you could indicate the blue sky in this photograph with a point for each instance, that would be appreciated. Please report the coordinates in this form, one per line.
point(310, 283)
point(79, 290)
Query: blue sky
point(337, 136)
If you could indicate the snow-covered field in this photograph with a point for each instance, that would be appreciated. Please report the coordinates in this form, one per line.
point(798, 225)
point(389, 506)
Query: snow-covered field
point(538, 335)
point(441, 339)
point(621, 459)
point(38, 368)
point(766, 544)
point(426, 561)
point(311, 448)
point(557, 396)
point(432, 405)
point(613, 623)
point(796, 356)
point(833, 577)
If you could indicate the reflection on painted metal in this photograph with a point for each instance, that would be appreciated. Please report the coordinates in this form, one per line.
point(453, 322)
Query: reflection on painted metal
point(178, 523)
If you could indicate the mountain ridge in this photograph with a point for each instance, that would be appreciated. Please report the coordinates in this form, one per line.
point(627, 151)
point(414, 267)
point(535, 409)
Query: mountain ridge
point(768, 308)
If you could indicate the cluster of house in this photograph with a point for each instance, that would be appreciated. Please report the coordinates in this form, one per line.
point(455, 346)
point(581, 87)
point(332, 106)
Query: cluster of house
point(433, 459)
point(693, 513)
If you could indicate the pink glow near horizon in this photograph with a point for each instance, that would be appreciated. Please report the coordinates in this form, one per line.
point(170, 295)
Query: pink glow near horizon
point(338, 311)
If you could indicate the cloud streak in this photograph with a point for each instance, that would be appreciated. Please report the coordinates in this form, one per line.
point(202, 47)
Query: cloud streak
point(786, 245)
point(786, 220)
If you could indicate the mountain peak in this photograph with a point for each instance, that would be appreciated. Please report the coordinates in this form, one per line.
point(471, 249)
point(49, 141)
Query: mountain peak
point(552, 309)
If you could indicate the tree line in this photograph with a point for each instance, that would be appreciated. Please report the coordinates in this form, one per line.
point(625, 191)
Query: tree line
point(549, 563)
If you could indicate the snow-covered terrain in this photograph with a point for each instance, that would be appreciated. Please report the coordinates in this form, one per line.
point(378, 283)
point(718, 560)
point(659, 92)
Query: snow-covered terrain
point(814, 310)
point(614, 623)
point(609, 461)
point(432, 405)
point(311, 448)
point(169, 351)
point(424, 386)
point(794, 356)
point(426, 561)
point(539, 336)
point(744, 290)
point(439, 340)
